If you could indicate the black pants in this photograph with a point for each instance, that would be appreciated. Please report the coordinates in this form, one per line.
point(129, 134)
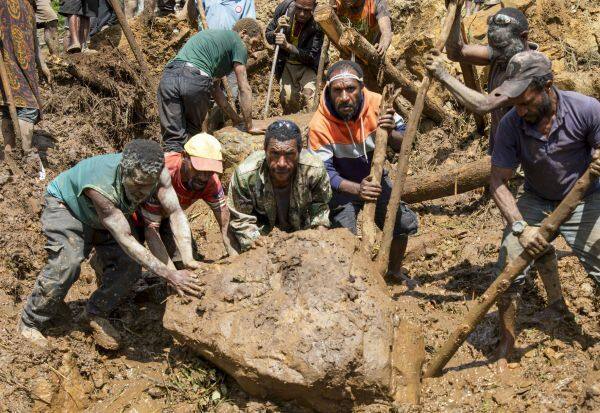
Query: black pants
point(86, 8)
point(106, 17)
point(344, 212)
point(183, 101)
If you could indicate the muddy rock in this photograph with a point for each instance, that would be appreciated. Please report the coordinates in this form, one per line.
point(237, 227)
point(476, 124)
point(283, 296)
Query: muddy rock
point(301, 316)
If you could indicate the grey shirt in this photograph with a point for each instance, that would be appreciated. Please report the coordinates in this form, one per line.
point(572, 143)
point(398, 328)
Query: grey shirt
point(553, 163)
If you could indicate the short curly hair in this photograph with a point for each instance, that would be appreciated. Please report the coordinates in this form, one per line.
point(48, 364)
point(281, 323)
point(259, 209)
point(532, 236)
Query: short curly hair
point(143, 154)
point(251, 26)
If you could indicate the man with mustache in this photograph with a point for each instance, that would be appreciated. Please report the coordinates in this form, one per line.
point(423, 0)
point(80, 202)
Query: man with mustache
point(194, 176)
point(89, 206)
point(342, 134)
point(508, 32)
point(554, 135)
point(283, 186)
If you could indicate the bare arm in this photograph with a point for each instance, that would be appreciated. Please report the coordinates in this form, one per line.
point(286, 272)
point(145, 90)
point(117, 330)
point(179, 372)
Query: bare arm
point(222, 217)
point(156, 245)
point(385, 27)
point(502, 196)
point(458, 51)
point(223, 103)
point(179, 224)
point(245, 97)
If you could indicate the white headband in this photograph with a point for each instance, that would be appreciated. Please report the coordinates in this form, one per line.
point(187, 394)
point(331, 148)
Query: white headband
point(344, 75)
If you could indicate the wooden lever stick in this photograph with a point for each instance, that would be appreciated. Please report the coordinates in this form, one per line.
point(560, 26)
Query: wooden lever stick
point(407, 142)
point(472, 80)
point(369, 233)
point(548, 230)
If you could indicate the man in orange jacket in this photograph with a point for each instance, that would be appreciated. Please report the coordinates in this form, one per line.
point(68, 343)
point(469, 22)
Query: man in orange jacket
point(342, 134)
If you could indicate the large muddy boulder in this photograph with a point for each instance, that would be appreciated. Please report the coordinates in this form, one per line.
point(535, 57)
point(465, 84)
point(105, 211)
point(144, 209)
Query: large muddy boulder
point(300, 316)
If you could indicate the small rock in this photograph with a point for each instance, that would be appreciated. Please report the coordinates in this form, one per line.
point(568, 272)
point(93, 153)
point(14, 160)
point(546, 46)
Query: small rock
point(587, 290)
point(156, 392)
point(593, 390)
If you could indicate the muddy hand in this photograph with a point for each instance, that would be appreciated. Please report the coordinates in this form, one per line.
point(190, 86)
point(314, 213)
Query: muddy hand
point(369, 190)
point(386, 121)
point(595, 165)
point(434, 62)
point(532, 241)
point(192, 265)
point(383, 45)
point(185, 282)
point(283, 21)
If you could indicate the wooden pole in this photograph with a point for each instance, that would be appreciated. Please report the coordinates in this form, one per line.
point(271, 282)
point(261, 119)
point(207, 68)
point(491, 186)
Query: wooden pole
point(472, 81)
point(130, 38)
point(352, 40)
point(324, 14)
point(548, 230)
point(320, 70)
point(266, 110)
point(202, 14)
point(369, 231)
point(407, 142)
point(10, 102)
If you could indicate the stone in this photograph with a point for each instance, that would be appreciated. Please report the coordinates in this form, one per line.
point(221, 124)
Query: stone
point(299, 317)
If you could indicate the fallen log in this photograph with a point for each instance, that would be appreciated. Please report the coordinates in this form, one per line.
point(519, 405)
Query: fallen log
point(349, 40)
point(399, 176)
point(548, 230)
point(464, 178)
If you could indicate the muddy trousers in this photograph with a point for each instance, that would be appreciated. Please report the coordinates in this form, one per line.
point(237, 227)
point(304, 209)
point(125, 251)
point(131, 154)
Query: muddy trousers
point(69, 242)
point(581, 231)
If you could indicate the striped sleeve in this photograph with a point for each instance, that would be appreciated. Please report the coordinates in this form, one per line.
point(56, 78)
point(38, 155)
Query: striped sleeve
point(324, 150)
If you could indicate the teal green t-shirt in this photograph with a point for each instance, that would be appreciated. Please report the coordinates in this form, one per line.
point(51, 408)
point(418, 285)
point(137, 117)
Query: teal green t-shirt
point(214, 51)
point(101, 173)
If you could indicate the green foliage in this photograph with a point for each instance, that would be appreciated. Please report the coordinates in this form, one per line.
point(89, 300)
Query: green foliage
point(61, 19)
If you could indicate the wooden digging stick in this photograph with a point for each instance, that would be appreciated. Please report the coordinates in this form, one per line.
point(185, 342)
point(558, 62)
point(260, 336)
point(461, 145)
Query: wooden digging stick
point(271, 76)
point(407, 142)
point(472, 81)
point(369, 233)
point(130, 38)
point(320, 70)
point(548, 230)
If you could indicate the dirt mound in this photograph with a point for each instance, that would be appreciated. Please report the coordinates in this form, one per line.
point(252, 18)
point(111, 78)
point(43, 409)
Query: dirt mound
point(287, 322)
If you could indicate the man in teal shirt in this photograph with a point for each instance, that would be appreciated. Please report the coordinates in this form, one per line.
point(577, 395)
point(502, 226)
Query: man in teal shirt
point(186, 86)
point(87, 207)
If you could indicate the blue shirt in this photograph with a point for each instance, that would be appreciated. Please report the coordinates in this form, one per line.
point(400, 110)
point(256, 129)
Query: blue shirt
point(554, 163)
point(223, 14)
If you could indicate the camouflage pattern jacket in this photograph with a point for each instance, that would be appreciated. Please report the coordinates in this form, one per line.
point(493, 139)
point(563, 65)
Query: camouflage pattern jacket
point(252, 204)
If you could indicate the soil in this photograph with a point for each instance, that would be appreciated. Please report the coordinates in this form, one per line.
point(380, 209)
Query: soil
point(98, 103)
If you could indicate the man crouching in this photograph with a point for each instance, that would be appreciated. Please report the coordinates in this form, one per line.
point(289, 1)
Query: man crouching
point(88, 206)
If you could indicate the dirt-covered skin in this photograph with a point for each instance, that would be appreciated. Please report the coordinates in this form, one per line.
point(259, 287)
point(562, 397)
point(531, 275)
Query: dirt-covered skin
point(556, 366)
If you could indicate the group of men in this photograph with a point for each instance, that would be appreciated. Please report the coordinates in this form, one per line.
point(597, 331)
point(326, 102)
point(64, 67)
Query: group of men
point(141, 194)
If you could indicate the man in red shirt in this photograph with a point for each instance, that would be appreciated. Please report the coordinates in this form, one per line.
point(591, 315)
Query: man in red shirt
point(194, 175)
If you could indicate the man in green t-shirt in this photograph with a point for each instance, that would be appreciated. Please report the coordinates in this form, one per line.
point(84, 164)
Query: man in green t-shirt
point(187, 83)
point(87, 207)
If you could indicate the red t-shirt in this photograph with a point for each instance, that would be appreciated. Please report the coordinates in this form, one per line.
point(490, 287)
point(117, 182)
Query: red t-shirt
point(212, 193)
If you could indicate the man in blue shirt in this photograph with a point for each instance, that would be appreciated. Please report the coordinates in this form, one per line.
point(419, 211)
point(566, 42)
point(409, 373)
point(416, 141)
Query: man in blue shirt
point(554, 135)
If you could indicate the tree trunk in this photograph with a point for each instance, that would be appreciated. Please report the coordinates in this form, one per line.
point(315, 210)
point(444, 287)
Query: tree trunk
point(447, 182)
point(548, 230)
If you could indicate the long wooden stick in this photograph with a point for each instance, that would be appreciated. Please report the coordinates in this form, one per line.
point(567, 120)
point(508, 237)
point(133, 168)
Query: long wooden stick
point(472, 81)
point(369, 233)
point(352, 40)
point(130, 38)
point(12, 109)
point(202, 14)
point(271, 76)
point(320, 70)
point(548, 229)
point(407, 142)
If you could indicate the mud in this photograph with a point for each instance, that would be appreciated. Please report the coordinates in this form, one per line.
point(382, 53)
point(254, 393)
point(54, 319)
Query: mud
point(556, 366)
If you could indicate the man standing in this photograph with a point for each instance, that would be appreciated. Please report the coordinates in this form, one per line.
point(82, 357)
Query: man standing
point(300, 50)
point(88, 206)
point(342, 134)
point(371, 18)
point(283, 186)
point(507, 35)
point(194, 175)
point(78, 13)
point(186, 86)
point(46, 18)
point(554, 135)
